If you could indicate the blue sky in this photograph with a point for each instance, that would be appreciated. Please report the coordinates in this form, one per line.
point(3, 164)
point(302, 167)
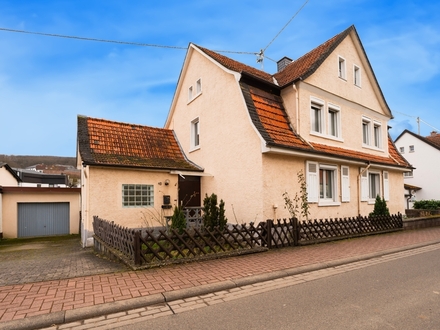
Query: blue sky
point(45, 82)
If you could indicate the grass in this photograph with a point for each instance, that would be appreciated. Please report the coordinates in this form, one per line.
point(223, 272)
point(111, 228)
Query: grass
point(18, 241)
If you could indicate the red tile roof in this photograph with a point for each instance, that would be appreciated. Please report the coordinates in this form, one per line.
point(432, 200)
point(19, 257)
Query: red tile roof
point(104, 142)
point(270, 118)
point(434, 138)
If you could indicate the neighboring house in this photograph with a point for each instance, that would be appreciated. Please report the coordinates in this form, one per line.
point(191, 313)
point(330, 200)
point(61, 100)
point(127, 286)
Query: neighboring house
point(424, 154)
point(323, 114)
point(132, 174)
point(32, 178)
point(29, 211)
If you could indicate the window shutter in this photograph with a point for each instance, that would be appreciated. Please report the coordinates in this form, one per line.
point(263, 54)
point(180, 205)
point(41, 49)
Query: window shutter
point(312, 182)
point(386, 186)
point(345, 184)
point(364, 185)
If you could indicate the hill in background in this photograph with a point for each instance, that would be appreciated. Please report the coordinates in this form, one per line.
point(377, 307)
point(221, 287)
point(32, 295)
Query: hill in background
point(26, 161)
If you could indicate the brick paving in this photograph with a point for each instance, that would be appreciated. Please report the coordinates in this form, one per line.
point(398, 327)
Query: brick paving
point(23, 299)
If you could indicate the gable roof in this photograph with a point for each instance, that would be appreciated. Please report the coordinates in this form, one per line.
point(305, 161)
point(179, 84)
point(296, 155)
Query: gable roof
point(10, 170)
point(109, 143)
point(269, 117)
point(433, 140)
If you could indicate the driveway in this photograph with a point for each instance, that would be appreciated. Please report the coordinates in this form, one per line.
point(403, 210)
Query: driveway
point(52, 258)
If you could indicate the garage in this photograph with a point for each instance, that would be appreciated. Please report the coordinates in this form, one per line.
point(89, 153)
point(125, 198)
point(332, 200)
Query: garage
point(43, 219)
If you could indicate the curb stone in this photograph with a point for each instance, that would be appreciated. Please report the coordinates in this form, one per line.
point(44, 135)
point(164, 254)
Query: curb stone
point(57, 318)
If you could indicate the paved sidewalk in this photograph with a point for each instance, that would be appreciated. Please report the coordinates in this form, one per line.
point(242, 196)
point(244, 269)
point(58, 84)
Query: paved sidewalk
point(41, 304)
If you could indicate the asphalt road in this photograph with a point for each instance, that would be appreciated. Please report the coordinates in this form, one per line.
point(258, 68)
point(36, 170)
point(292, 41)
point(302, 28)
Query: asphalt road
point(398, 294)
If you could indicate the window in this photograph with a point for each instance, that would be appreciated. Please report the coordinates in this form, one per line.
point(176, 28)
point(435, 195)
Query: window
point(377, 135)
point(137, 195)
point(198, 86)
point(317, 118)
point(195, 129)
point(357, 76)
point(321, 183)
point(366, 123)
point(411, 148)
point(371, 185)
point(326, 184)
point(374, 185)
point(190, 93)
point(402, 150)
point(341, 68)
point(333, 121)
point(409, 174)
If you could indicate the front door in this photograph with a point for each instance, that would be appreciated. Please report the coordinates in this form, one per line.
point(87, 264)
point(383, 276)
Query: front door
point(189, 191)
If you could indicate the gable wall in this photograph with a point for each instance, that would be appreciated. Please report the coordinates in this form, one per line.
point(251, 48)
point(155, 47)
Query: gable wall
point(6, 178)
point(230, 149)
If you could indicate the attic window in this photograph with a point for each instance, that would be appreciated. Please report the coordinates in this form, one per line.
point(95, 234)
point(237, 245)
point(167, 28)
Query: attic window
point(341, 68)
point(190, 93)
point(357, 76)
point(198, 86)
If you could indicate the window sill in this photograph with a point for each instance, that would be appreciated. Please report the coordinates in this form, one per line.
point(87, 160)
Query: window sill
point(323, 203)
point(342, 78)
point(196, 96)
point(325, 136)
point(367, 146)
point(194, 149)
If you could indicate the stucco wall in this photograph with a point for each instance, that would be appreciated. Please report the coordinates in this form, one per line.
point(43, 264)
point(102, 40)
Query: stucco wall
point(6, 178)
point(12, 196)
point(103, 188)
point(230, 149)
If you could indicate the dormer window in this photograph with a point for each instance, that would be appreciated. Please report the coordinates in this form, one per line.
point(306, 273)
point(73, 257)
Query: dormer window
point(341, 68)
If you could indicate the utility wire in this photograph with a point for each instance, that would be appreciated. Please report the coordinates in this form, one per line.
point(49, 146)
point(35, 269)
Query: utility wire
point(264, 49)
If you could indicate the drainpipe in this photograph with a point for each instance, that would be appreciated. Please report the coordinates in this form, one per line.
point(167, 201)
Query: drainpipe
point(297, 108)
point(359, 187)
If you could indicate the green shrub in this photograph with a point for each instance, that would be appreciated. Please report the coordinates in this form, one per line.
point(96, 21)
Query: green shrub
point(380, 207)
point(213, 215)
point(427, 204)
point(178, 220)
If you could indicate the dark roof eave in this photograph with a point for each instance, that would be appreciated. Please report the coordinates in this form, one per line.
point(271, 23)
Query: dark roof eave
point(316, 152)
point(88, 163)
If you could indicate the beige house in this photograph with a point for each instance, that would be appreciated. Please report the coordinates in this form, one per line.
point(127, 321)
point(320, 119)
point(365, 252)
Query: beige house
point(132, 174)
point(35, 211)
point(323, 115)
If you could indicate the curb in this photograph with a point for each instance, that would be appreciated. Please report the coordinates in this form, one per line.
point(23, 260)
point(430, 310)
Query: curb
point(57, 318)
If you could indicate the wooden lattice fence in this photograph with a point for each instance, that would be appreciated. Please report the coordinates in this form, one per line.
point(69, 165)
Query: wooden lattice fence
point(159, 246)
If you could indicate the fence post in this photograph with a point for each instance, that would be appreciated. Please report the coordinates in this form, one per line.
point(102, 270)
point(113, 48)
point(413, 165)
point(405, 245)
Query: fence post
point(137, 247)
point(295, 231)
point(269, 225)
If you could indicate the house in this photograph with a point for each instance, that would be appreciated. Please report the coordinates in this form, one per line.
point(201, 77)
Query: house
point(323, 115)
point(132, 174)
point(424, 154)
point(30, 211)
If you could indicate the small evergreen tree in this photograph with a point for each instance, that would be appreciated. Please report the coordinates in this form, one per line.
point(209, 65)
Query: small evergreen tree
point(380, 207)
point(178, 220)
point(213, 215)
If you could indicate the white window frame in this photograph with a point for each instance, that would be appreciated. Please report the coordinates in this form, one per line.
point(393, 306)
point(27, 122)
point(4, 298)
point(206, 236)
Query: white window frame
point(334, 112)
point(199, 86)
point(374, 175)
point(402, 150)
point(342, 68)
point(317, 123)
point(356, 75)
point(409, 174)
point(366, 131)
point(195, 134)
point(190, 93)
point(323, 197)
point(313, 180)
point(137, 195)
point(377, 134)
point(411, 148)
point(381, 182)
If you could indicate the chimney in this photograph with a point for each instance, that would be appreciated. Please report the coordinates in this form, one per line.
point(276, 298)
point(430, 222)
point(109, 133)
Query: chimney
point(434, 133)
point(281, 64)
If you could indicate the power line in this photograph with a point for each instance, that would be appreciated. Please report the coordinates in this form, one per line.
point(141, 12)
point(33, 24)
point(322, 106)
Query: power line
point(264, 49)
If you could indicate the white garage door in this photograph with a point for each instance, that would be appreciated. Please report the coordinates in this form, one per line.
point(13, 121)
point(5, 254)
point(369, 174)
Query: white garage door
point(43, 219)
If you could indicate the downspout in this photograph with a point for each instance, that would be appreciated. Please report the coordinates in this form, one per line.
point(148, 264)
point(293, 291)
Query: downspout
point(297, 107)
point(359, 187)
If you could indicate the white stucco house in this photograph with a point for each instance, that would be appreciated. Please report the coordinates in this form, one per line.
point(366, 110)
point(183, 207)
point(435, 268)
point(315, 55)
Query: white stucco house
point(245, 135)
point(423, 152)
